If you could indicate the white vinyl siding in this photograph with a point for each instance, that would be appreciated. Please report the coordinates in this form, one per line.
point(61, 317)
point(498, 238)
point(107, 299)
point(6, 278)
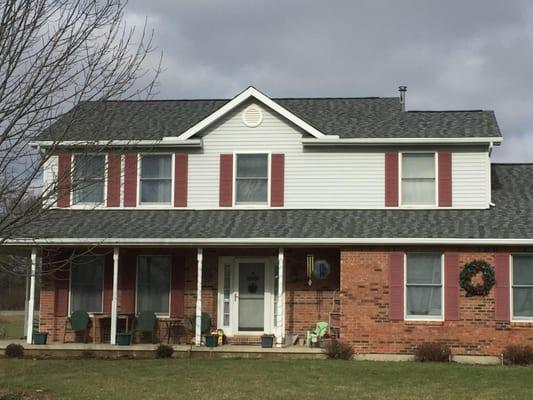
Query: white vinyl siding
point(470, 179)
point(49, 180)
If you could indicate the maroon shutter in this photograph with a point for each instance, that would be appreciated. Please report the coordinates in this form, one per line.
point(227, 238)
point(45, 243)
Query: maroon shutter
point(451, 286)
point(108, 283)
point(113, 180)
point(177, 285)
point(445, 179)
point(63, 183)
point(126, 281)
point(391, 179)
point(61, 284)
point(277, 177)
point(502, 293)
point(130, 180)
point(181, 172)
point(226, 180)
point(396, 274)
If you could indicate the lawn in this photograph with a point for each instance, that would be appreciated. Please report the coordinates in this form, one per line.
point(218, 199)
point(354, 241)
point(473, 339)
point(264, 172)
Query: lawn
point(11, 326)
point(260, 379)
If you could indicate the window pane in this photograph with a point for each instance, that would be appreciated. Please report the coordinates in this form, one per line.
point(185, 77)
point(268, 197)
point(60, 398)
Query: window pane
point(252, 165)
point(424, 268)
point(424, 300)
point(522, 270)
point(89, 192)
point(89, 166)
point(88, 178)
point(418, 166)
point(252, 190)
point(155, 191)
point(86, 281)
point(418, 191)
point(156, 166)
point(153, 284)
point(523, 302)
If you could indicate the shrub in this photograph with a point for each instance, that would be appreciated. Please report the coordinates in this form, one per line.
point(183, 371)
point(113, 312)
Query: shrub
point(336, 349)
point(164, 351)
point(14, 350)
point(518, 354)
point(437, 352)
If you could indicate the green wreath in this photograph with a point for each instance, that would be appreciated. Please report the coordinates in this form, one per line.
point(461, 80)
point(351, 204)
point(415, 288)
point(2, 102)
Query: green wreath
point(470, 270)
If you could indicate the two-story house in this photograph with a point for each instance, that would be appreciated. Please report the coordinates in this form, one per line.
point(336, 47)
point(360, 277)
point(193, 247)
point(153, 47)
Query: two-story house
point(273, 214)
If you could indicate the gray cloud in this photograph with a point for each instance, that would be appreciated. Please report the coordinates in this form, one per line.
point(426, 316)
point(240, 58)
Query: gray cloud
point(452, 54)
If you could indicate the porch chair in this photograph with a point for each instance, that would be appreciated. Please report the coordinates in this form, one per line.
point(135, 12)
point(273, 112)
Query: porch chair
point(144, 322)
point(313, 337)
point(79, 322)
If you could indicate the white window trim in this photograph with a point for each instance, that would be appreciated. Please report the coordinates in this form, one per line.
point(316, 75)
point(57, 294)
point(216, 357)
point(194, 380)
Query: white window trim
point(426, 318)
point(70, 285)
point(234, 194)
point(514, 318)
point(400, 161)
point(169, 204)
point(158, 315)
point(87, 205)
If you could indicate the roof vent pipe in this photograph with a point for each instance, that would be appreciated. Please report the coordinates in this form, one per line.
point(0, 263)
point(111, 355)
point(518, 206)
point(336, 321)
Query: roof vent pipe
point(403, 90)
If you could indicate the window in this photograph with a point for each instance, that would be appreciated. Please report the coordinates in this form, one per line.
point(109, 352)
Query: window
point(252, 179)
point(522, 286)
point(88, 178)
point(423, 282)
point(156, 178)
point(153, 284)
point(418, 179)
point(86, 283)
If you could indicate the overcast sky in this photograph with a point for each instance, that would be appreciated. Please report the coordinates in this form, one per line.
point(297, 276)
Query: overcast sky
point(453, 54)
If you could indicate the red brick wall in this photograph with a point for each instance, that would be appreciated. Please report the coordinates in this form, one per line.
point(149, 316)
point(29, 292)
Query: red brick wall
point(365, 305)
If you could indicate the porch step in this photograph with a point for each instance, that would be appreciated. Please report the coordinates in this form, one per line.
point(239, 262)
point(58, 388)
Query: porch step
point(250, 340)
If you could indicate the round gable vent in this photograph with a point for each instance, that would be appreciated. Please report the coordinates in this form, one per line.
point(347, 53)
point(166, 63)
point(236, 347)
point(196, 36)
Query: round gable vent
point(252, 116)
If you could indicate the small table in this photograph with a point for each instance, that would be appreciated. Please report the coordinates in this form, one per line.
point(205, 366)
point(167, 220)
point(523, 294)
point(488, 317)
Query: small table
point(170, 324)
point(97, 318)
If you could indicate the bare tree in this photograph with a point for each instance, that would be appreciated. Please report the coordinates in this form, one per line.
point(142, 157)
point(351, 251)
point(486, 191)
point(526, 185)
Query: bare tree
point(55, 54)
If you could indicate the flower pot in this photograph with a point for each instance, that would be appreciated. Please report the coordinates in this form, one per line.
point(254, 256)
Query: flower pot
point(123, 339)
point(40, 337)
point(267, 341)
point(211, 340)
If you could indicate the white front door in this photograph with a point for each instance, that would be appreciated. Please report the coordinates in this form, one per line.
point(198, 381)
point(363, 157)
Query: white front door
point(246, 295)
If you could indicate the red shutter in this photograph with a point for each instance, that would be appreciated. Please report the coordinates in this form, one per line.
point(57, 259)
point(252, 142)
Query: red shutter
point(445, 179)
point(63, 175)
point(277, 177)
point(61, 285)
point(391, 179)
point(502, 293)
point(181, 172)
point(451, 286)
point(226, 180)
point(126, 282)
point(113, 180)
point(108, 283)
point(177, 285)
point(130, 180)
point(396, 275)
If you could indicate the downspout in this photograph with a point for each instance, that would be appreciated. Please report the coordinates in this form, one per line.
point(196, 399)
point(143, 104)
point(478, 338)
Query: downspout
point(491, 204)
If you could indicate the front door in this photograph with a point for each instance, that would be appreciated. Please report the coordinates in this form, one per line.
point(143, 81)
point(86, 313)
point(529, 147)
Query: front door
point(251, 296)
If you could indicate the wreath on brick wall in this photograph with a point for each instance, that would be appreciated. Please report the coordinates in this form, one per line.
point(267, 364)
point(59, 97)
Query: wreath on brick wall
point(470, 270)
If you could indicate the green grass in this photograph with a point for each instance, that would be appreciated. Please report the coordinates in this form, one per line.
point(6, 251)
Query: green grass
point(11, 327)
point(260, 379)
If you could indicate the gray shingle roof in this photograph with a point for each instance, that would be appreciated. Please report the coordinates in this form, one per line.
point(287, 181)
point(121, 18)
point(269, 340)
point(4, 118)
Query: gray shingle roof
point(376, 117)
point(511, 218)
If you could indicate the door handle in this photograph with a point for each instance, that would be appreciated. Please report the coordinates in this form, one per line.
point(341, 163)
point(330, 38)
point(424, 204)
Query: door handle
point(235, 296)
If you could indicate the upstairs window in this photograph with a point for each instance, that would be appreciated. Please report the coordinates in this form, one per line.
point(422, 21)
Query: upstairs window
point(86, 284)
point(251, 180)
point(423, 284)
point(522, 286)
point(156, 178)
point(418, 179)
point(153, 284)
point(88, 177)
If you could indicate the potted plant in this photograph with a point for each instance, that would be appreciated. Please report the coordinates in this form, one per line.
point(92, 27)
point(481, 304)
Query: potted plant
point(211, 340)
point(40, 337)
point(267, 341)
point(124, 339)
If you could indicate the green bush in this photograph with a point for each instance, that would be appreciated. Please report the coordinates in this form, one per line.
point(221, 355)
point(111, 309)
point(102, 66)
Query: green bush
point(164, 351)
point(14, 350)
point(335, 349)
point(431, 351)
point(518, 354)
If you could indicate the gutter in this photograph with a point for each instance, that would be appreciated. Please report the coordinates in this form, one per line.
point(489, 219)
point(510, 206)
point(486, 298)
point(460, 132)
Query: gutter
point(165, 142)
point(395, 141)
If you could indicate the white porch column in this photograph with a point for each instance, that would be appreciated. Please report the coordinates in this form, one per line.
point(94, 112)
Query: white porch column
point(26, 298)
point(280, 334)
point(31, 302)
point(198, 330)
point(115, 295)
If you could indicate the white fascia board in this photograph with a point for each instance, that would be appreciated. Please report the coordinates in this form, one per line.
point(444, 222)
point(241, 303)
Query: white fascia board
point(165, 142)
point(399, 141)
point(252, 92)
point(267, 241)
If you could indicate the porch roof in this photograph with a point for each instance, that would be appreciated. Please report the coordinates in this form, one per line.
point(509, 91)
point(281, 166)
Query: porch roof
point(510, 219)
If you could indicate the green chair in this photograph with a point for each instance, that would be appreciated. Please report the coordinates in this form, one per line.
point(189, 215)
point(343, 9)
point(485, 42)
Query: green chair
point(313, 337)
point(205, 324)
point(145, 322)
point(79, 322)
